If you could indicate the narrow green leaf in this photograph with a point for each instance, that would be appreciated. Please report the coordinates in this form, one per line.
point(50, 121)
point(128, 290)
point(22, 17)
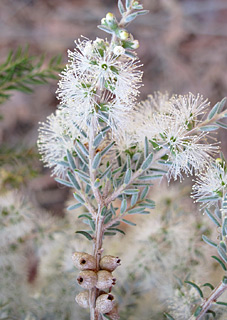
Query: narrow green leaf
point(92, 224)
point(222, 253)
point(129, 222)
point(86, 234)
point(213, 111)
point(71, 160)
point(128, 176)
point(96, 160)
point(222, 104)
point(107, 148)
point(121, 7)
point(148, 205)
point(144, 193)
point(130, 54)
point(146, 147)
point(147, 178)
point(106, 172)
point(208, 199)
point(74, 206)
point(207, 284)
point(103, 211)
point(210, 215)
point(134, 199)
point(97, 183)
point(211, 312)
point(112, 210)
point(116, 229)
point(135, 210)
point(196, 287)
point(221, 303)
point(82, 174)
point(73, 180)
point(168, 316)
point(100, 136)
point(106, 29)
point(147, 162)
point(109, 233)
point(64, 182)
point(108, 218)
point(131, 17)
point(123, 206)
point(80, 155)
point(82, 147)
point(208, 241)
point(131, 191)
point(78, 198)
point(221, 124)
point(224, 227)
point(85, 216)
point(208, 128)
point(128, 3)
point(197, 311)
point(220, 262)
point(142, 12)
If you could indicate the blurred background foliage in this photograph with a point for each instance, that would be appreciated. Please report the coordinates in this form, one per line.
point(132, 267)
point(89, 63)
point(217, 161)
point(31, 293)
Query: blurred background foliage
point(183, 48)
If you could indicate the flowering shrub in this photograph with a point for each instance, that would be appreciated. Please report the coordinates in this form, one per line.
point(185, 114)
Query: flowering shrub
point(109, 148)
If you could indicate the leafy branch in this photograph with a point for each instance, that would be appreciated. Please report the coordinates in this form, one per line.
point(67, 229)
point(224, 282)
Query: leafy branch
point(21, 71)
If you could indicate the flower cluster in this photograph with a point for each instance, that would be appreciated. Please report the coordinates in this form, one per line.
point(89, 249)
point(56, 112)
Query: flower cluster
point(211, 183)
point(98, 80)
point(56, 137)
point(170, 123)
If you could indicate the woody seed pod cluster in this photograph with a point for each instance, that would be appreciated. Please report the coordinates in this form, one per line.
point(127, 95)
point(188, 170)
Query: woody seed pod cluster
point(105, 280)
point(113, 314)
point(105, 303)
point(87, 279)
point(110, 263)
point(84, 261)
point(83, 299)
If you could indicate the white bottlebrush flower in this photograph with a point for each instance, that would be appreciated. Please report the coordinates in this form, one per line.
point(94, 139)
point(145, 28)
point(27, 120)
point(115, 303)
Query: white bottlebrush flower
point(212, 182)
point(190, 157)
point(188, 106)
point(96, 61)
point(56, 136)
point(167, 122)
point(78, 97)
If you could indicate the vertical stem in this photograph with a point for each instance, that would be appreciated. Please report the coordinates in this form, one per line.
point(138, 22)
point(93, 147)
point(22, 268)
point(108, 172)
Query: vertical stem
point(217, 292)
point(97, 246)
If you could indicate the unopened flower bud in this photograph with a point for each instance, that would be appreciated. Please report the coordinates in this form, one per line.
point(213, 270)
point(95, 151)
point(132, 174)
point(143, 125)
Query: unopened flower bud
point(87, 279)
point(118, 50)
point(113, 314)
point(109, 17)
point(110, 263)
point(84, 261)
point(103, 21)
point(83, 299)
point(123, 35)
point(105, 303)
point(105, 280)
point(135, 44)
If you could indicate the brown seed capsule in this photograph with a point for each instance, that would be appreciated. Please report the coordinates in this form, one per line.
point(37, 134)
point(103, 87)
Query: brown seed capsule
point(105, 280)
point(105, 303)
point(113, 314)
point(84, 261)
point(110, 263)
point(87, 279)
point(83, 299)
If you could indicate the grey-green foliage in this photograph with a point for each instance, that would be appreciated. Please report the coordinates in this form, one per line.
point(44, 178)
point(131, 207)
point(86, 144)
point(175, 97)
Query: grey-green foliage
point(21, 72)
